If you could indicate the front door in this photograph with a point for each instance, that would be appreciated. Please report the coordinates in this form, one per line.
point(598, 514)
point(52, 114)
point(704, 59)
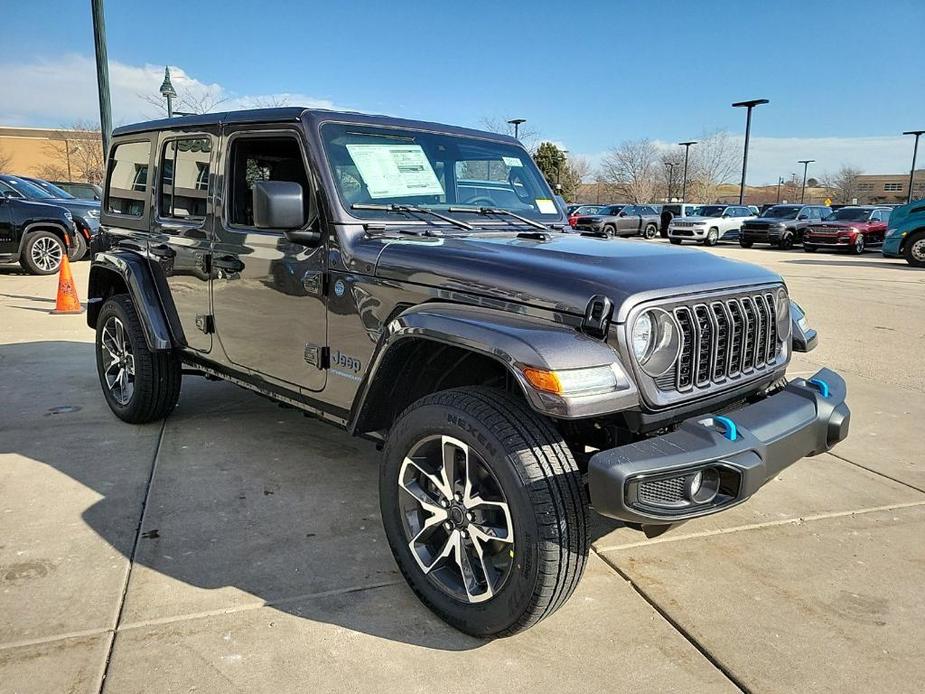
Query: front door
point(628, 221)
point(181, 235)
point(268, 292)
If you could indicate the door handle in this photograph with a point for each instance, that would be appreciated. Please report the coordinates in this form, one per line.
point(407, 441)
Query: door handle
point(228, 263)
point(162, 250)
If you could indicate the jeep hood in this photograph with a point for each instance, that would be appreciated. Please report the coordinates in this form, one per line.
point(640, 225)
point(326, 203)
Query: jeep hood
point(563, 272)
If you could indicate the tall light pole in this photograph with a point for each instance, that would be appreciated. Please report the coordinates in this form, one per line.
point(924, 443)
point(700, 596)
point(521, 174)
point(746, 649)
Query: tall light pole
point(516, 123)
point(102, 72)
point(687, 149)
point(915, 152)
point(748, 129)
point(168, 92)
point(805, 163)
point(670, 166)
point(780, 180)
point(559, 161)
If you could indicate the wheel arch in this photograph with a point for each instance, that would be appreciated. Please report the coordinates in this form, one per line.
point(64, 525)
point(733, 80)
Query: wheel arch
point(123, 272)
point(55, 228)
point(470, 345)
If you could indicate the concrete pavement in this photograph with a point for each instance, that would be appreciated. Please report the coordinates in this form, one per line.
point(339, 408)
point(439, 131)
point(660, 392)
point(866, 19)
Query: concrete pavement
point(238, 546)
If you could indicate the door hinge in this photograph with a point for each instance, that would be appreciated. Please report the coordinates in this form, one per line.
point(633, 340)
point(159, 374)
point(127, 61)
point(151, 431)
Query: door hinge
point(205, 323)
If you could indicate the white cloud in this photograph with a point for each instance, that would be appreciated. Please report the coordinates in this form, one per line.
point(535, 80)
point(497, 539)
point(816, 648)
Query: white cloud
point(58, 92)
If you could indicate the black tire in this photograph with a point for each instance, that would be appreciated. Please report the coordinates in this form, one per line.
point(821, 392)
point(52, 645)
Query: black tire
point(541, 484)
point(610, 231)
point(712, 237)
point(157, 375)
point(809, 248)
point(33, 258)
point(79, 250)
point(858, 247)
point(786, 242)
point(650, 232)
point(673, 240)
point(745, 244)
point(912, 250)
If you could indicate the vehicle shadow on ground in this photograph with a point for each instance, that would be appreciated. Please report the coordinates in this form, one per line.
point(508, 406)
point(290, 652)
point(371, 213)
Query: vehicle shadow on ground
point(244, 495)
point(884, 263)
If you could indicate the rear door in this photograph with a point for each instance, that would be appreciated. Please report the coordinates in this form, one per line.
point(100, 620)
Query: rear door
point(8, 245)
point(268, 293)
point(180, 244)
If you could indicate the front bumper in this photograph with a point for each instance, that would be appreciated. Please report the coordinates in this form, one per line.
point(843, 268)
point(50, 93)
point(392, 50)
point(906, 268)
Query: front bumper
point(687, 232)
point(892, 246)
point(761, 235)
point(653, 481)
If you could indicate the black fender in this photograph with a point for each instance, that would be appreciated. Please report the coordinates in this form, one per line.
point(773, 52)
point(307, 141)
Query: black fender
point(514, 341)
point(131, 271)
point(45, 225)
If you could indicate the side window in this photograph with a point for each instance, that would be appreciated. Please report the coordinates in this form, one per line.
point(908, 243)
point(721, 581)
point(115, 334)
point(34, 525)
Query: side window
point(876, 216)
point(128, 179)
point(184, 186)
point(629, 210)
point(255, 159)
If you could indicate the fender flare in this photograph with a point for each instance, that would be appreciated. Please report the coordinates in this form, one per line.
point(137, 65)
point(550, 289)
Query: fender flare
point(513, 340)
point(41, 223)
point(134, 273)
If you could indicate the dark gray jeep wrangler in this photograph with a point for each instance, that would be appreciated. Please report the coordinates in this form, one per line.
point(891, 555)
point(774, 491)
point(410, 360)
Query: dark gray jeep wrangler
point(414, 283)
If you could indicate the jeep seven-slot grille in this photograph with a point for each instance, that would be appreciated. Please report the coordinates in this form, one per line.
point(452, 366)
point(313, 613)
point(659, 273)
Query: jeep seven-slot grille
point(722, 340)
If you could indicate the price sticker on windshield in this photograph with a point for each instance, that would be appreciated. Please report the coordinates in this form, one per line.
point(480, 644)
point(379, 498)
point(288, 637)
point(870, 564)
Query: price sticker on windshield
point(512, 162)
point(545, 206)
point(395, 170)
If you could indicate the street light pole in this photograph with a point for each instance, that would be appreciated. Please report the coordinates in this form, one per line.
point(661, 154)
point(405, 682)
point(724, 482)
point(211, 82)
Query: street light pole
point(780, 180)
point(687, 149)
point(805, 163)
point(168, 92)
point(748, 129)
point(670, 165)
point(102, 72)
point(516, 123)
point(915, 152)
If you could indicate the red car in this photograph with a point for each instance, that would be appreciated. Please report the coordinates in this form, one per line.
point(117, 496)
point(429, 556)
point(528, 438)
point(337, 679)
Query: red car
point(850, 229)
point(577, 212)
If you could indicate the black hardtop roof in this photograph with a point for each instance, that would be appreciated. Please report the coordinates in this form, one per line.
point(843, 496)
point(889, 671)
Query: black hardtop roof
point(297, 113)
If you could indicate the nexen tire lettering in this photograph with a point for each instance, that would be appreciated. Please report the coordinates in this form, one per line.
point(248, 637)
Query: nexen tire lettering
point(471, 429)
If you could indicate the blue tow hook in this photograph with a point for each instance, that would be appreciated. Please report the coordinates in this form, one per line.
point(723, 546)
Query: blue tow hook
point(731, 431)
point(820, 385)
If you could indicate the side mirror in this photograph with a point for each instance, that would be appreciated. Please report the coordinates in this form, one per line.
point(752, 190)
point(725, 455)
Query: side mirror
point(726, 216)
point(622, 214)
point(803, 216)
point(279, 205)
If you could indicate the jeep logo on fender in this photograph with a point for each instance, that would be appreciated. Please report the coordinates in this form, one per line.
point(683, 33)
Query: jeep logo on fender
point(343, 361)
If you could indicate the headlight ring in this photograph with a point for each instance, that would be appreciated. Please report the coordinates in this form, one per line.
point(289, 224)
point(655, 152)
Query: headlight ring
point(655, 340)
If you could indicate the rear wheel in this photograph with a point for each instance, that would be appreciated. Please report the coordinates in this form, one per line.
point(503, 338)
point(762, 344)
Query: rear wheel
point(650, 232)
point(484, 509)
point(42, 253)
point(139, 385)
point(610, 231)
point(915, 249)
point(745, 244)
point(786, 242)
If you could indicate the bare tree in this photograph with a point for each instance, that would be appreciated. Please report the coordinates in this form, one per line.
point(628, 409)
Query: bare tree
point(632, 169)
point(204, 101)
point(714, 160)
point(75, 154)
point(669, 177)
point(527, 135)
point(270, 101)
point(843, 183)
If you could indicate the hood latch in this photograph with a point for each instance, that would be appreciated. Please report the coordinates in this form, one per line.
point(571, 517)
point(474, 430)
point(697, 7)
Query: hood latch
point(597, 316)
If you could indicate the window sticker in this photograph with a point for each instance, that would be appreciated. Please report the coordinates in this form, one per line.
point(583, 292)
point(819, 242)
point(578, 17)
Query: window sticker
point(512, 162)
point(545, 206)
point(395, 170)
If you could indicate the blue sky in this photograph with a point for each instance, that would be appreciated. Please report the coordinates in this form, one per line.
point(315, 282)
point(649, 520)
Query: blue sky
point(844, 78)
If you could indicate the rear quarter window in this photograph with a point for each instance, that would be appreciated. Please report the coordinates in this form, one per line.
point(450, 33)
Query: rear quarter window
point(127, 185)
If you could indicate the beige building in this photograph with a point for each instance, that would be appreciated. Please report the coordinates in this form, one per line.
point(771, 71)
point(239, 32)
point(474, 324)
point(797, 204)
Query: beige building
point(892, 188)
point(54, 153)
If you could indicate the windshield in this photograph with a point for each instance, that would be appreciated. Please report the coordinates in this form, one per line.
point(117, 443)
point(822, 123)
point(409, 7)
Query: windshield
point(782, 211)
point(587, 209)
point(29, 190)
point(849, 214)
point(711, 210)
point(54, 190)
point(391, 166)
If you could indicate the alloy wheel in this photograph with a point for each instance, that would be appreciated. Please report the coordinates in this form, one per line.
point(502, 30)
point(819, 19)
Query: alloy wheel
point(918, 250)
point(46, 253)
point(456, 519)
point(118, 361)
point(859, 244)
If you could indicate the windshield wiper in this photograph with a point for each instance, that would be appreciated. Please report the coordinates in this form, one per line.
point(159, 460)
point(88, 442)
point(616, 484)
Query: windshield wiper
point(410, 208)
point(499, 211)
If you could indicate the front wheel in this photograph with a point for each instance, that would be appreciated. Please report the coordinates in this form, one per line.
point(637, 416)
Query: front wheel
point(139, 385)
point(610, 231)
point(484, 509)
point(712, 237)
point(915, 249)
point(858, 246)
point(42, 253)
point(786, 242)
point(650, 231)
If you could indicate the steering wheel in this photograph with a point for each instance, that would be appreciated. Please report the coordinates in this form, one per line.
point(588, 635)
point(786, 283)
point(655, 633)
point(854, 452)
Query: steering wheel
point(480, 201)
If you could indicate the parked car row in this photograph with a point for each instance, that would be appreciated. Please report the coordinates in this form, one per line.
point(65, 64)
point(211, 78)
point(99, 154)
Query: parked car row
point(40, 221)
point(620, 220)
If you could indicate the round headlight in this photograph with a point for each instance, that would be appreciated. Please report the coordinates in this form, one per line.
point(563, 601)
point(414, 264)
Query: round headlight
point(783, 314)
point(656, 341)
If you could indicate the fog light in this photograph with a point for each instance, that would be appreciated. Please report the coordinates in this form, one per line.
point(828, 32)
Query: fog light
point(703, 486)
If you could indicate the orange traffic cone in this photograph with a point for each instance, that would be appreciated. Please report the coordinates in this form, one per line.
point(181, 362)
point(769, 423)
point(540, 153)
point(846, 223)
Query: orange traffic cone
point(67, 301)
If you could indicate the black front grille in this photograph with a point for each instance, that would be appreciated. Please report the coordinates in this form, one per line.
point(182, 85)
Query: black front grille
point(722, 340)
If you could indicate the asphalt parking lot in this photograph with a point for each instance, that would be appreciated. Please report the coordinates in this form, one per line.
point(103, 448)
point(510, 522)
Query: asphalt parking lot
point(238, 546)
